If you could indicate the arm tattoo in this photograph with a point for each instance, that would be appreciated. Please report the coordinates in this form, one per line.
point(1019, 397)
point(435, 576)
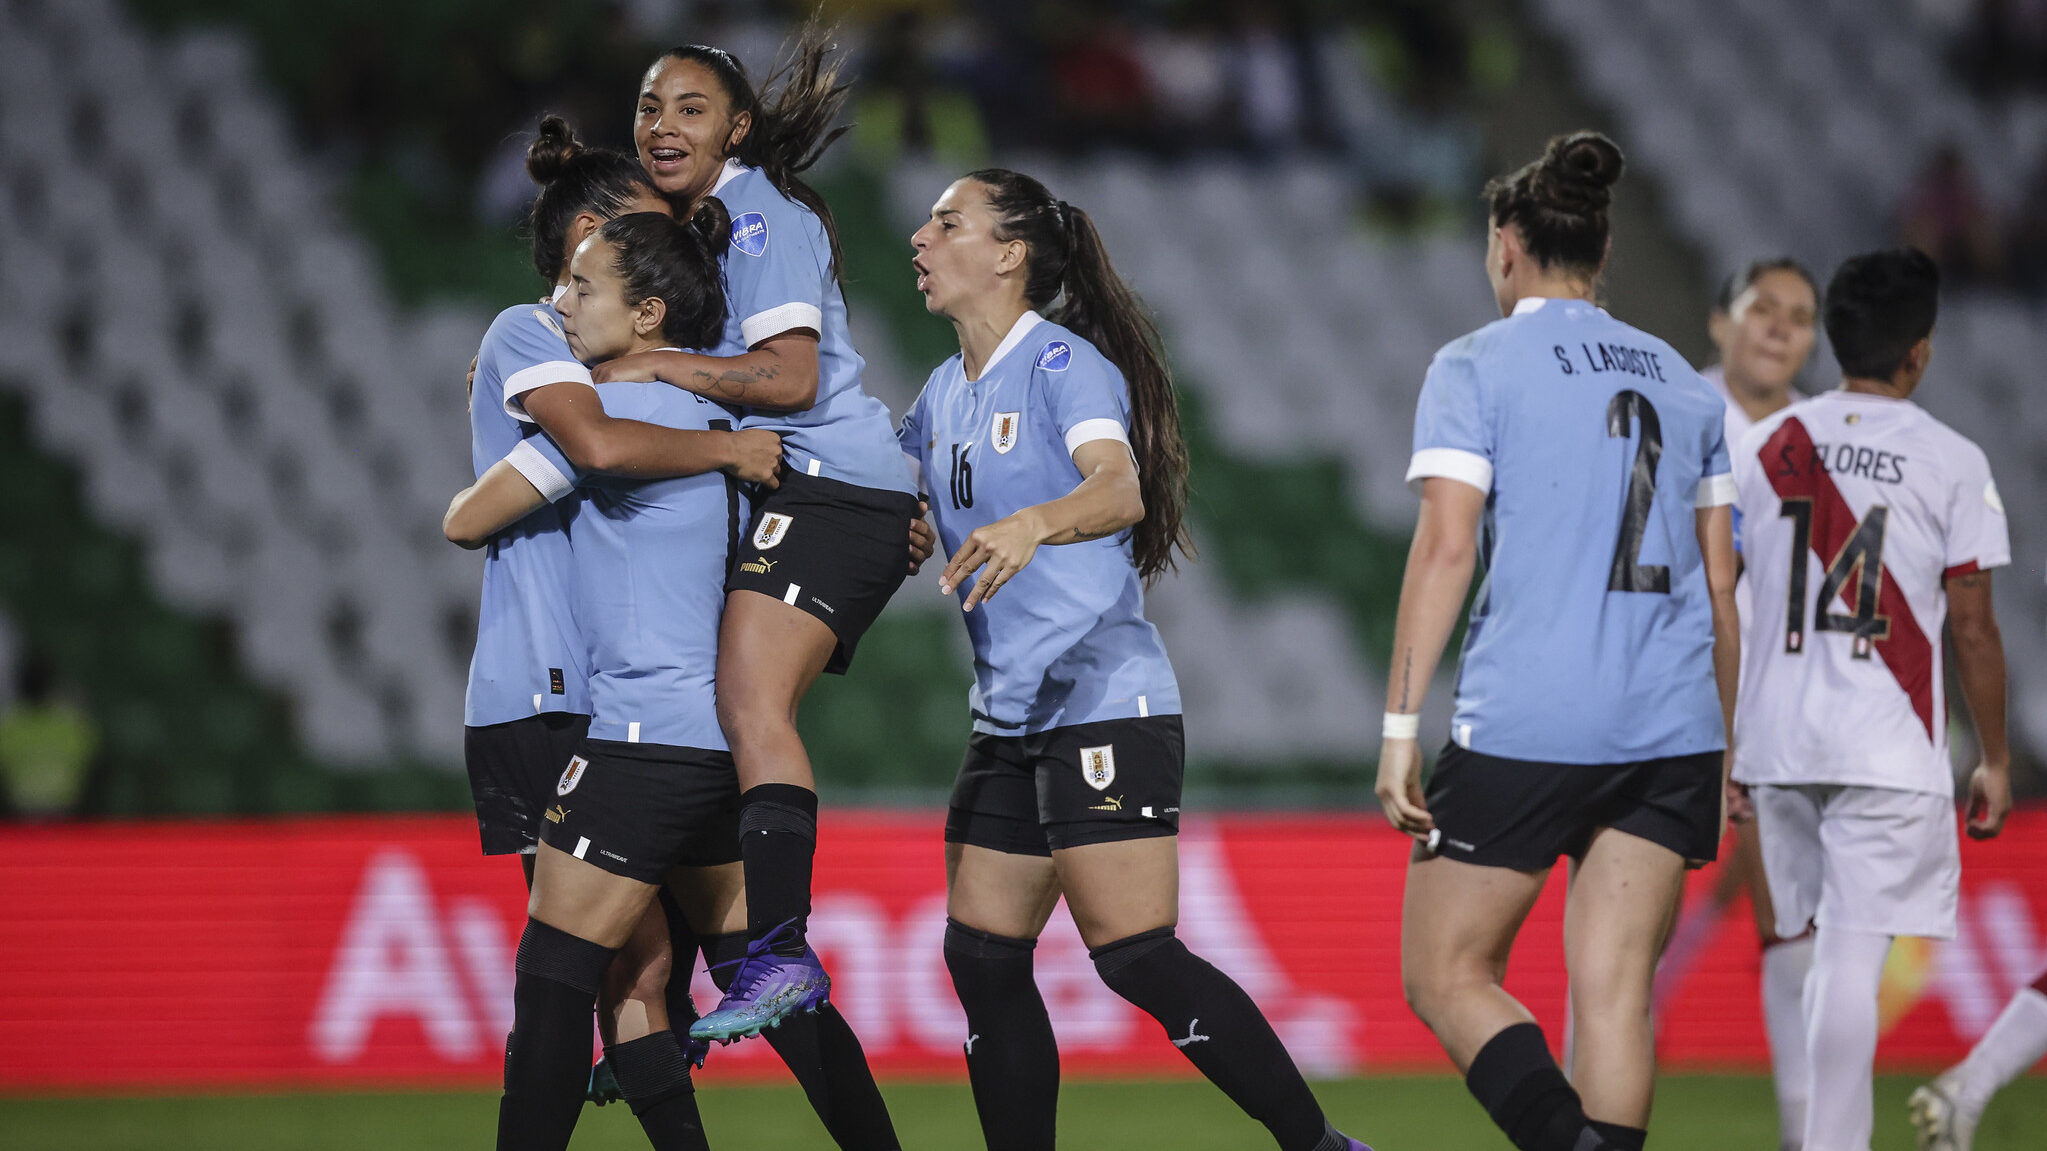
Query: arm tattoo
point(1406, 678)
point(734, 384)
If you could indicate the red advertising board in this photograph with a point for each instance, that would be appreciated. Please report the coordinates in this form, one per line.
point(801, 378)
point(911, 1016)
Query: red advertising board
point(359, 951)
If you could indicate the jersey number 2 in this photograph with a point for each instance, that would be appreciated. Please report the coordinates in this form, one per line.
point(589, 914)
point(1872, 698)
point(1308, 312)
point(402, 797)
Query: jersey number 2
point(1628, 573)
point(962, 477)
point(1861, 558)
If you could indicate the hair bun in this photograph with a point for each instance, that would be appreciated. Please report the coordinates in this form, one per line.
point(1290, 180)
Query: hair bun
point(1578, 172)
point(712, 224)
point(549, 154)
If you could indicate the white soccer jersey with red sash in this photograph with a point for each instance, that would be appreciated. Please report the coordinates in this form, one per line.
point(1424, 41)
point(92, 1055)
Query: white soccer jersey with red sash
point(1855, 511)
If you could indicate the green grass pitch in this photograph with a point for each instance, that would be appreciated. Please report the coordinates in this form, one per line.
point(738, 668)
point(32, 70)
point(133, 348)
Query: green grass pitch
point(1394, 1113)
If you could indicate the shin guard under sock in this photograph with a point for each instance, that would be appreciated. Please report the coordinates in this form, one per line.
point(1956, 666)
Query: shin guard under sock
point(1218, 1028)
point(1519, 1084)
point(777, 841)
point(1012, 1057)
point(653, 1075)
point(547, 1058)
point(825, 1056)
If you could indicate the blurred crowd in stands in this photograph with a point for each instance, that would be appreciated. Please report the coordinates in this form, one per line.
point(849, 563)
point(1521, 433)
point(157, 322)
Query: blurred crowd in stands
point(1947, 216)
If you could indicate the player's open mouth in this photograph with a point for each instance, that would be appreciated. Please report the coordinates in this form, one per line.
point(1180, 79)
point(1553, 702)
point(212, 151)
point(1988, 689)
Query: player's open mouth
point(923, 276)
point(666, 159)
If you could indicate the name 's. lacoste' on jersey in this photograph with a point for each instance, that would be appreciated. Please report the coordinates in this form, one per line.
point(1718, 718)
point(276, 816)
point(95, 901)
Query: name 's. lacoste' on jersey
point(529, 654)
point(778, 277)
point(1066, 641)
point(1591, 638)
point(650, 562)
point(1856, 511)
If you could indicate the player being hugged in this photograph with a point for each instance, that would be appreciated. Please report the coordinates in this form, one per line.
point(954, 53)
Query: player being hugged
point(825, 549)
point(1052, 448)
point(1584, 462)
point(1866, 523)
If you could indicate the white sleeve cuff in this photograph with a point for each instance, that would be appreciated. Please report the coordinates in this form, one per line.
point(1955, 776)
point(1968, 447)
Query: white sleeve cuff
point(773, 322)
point(1450, 464)
point(539, 471)
point(1087, 431)
point(1716, 491)
point(539, 376)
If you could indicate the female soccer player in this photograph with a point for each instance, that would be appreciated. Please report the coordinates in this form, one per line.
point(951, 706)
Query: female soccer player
point(1764, 322)
point(1598, 673)
point(1065, 432)
point(825, 551)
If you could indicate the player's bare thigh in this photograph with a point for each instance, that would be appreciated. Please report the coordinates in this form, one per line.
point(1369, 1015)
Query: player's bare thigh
point(1616, 922)
point(712, 899)
point(1457, 926)
point(1120, 889)
point(769, 655)
point(999, 892)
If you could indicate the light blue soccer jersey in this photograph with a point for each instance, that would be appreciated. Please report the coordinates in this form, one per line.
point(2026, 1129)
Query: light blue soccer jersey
point(778, 277)
point(1066, 641)
point(650, 560)
point(529, 651)
point(1591, 640)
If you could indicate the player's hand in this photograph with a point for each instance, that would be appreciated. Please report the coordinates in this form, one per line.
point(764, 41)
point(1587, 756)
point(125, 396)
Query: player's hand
point(1741, 808)
point(1005, 546)
point(923, 541)
point(1989, 800)
point(636, 368)
point(469, 384)
point(756, 457)
point(1400, 787)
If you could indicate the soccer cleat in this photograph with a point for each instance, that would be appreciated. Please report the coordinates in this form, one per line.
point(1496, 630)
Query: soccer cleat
point(767, 989)
point(603, 1086)
point(1940, 1117)
point(1355, 1145)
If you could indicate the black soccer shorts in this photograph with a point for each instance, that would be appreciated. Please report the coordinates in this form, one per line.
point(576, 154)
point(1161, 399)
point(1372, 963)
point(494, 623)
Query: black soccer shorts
point(638, 809)
point(512, 767)
point(833, 549)
point(1071, 786)
point(1523, 814)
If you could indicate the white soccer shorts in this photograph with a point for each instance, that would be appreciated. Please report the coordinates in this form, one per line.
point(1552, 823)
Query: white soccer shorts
point(1871, 859)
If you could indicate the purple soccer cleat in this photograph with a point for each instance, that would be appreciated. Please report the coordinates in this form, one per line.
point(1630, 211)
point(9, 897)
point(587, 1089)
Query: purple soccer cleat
point(767, 989)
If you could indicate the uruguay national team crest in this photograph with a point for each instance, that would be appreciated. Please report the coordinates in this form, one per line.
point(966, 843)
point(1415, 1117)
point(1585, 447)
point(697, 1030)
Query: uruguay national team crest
point(773, 529)
point(1003, 432)
point(1098, 766)
point(750, 233)
point(1056, 356)
point(573, 776)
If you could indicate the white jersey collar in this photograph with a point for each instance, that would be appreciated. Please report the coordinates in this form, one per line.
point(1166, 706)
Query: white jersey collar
point(1527, 304)
point(730, 172)
point(1017, 332)
point(555, 297)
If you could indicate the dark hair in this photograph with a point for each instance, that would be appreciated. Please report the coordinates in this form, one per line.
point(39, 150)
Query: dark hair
point(659, 257)
point(1559, 202)
point(573, 179)
point(793, 112)
point(1878, 305)
point(1734, 285)
point(1064, 257)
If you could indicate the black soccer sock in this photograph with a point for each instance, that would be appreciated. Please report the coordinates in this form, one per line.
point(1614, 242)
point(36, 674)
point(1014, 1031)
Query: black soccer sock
point(777, 840)
point(1519, 1084)
point(826, 1058)
point(653, 1075)
point(547, 1058)
point(1617, 1137)
point(682, 945)
point(1012, 1057)
point(1217, 1027)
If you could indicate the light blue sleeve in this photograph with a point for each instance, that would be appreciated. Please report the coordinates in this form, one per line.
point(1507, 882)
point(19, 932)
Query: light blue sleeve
point(1717, 486)
point(1086, 393)
point(524, 350)
point(777, 271)
point(1454, 433)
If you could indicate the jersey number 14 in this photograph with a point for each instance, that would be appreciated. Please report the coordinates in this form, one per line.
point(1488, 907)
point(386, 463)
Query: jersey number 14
point(1861, 559)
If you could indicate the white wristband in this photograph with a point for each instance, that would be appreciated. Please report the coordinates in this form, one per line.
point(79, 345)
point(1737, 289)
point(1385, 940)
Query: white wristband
point(1398, 726)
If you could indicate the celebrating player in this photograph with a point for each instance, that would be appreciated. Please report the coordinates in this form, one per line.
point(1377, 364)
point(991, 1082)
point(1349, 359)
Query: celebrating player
point(1865, 523)
point(1763, 323)
point(825, 551)
point(1054, 445)
point(1946, 1111)
point(1598, 673)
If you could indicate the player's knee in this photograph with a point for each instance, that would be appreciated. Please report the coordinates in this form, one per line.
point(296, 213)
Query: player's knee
point(638, 975)
point(1431, 987)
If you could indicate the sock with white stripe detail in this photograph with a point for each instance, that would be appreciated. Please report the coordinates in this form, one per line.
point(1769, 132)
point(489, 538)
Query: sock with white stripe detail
point(2008, 1050)
point(1785, 964)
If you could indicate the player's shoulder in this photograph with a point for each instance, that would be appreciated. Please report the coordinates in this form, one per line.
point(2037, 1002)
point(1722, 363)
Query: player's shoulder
point(1950, 443)
point(763, 218)
point(526, 322)
point(1055, 350)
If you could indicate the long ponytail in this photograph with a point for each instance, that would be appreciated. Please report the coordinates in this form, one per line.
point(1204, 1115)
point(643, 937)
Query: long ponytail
point(794, 112)
point(1066, 261)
